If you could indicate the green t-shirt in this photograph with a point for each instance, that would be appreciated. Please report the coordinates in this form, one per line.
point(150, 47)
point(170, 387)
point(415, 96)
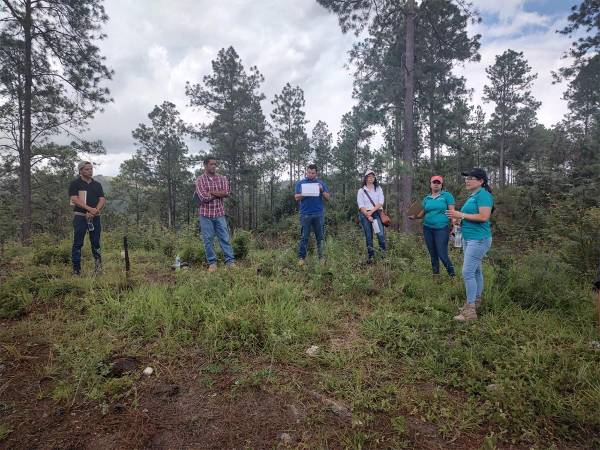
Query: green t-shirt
point(475, 231)
point(435, 209)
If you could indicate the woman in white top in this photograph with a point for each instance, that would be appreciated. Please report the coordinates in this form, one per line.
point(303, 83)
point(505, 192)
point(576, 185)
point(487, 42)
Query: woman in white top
point(370, 202)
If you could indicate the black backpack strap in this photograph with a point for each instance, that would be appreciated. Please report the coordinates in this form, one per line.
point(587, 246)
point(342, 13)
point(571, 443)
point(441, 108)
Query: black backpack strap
point(366, 192)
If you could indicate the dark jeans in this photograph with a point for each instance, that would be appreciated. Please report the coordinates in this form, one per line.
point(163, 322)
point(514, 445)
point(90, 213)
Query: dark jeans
point(80, 227)
point(437, 244)
point(368, 230)
point(315, 222)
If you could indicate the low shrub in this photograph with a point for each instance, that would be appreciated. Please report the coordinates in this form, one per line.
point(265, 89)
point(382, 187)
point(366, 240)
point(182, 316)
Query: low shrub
point(16, 294)
point(192, 253)
point(14, 302)
point(403, 246)
point(51, 254)
point(241, 243)
point(167, 248)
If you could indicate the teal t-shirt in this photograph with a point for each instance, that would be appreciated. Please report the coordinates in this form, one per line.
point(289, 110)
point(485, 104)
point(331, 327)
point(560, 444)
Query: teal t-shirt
point(475, 231)
point(435, 209)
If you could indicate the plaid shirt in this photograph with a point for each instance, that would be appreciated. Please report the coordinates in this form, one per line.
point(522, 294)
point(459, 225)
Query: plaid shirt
point(211, 206)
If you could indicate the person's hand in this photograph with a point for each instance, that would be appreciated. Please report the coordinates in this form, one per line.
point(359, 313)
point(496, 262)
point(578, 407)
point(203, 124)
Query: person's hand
point(88, 216)
point(321, 187)
point(453, 214)
point(370, 218)
point(93, 211)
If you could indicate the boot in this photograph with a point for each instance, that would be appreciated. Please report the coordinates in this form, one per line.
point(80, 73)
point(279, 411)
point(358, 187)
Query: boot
point(97, 267)
point(467, 313)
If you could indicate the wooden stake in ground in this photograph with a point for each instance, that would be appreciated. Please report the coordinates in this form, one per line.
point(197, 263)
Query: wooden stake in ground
point(126, 249)
point(597, 289)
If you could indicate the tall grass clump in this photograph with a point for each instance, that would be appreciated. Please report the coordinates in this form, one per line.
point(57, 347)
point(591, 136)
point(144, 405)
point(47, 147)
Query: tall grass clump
point(20, 291)
point(213, 312)
point(16, 294)
point(541, 281)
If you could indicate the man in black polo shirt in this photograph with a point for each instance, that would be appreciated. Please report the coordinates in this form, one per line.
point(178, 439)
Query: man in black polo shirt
point(87, 197)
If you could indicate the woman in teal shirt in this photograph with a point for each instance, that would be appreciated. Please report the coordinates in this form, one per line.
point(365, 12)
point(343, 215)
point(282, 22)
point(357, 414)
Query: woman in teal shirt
point(436, 227)
point(477, 238)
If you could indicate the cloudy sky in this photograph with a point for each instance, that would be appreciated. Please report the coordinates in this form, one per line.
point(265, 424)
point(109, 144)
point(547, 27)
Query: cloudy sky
point(155, 46)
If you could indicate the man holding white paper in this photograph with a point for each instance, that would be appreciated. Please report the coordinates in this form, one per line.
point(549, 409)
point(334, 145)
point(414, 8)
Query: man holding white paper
point(311, 192)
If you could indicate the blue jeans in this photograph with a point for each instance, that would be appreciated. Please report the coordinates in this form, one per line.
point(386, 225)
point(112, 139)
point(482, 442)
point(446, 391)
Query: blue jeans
point(368, 230)
point(316, 222)
point(436, 240)
point(80, 228)
point(474, 252)
point(209, 227)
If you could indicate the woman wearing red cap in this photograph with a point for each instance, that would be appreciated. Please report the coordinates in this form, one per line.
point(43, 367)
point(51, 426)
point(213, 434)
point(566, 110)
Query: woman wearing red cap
point(436, 227)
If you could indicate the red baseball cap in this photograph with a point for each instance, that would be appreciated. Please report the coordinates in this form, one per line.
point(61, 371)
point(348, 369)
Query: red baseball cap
point(436, 177)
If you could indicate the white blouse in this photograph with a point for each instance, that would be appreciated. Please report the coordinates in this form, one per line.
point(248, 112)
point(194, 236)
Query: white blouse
point(364, 202)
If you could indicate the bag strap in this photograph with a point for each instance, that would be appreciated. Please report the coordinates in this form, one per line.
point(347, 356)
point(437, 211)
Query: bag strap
point(366, 192)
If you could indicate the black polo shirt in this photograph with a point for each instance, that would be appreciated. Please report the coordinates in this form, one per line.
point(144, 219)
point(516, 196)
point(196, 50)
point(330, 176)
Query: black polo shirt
point(90, 192)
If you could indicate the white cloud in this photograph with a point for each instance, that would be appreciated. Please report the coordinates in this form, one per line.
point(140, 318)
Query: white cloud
point(543, 49)
point(156, 46)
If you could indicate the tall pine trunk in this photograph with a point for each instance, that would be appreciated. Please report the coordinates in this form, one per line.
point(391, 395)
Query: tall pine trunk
point(25, 155)
point(398, 165)
point(409, 94)
point(501, 163)
point(431, 141)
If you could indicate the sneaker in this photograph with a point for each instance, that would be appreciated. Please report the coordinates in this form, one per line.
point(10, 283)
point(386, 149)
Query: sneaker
point(300, 263)
point(212, 268)
point(468, 313)
point(231, 265)
point(76, 273)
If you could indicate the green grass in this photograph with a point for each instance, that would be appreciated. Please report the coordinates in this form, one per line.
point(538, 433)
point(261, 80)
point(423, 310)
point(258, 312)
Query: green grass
point(4, 431)
point(524, 372)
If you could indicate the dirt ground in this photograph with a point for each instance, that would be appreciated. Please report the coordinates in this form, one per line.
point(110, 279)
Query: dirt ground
point(176, 409)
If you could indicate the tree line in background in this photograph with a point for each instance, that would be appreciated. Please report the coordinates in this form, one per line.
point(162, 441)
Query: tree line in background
point(406, 90)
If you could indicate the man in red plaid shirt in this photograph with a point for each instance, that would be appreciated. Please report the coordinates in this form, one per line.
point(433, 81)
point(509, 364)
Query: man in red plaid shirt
point(211, 189)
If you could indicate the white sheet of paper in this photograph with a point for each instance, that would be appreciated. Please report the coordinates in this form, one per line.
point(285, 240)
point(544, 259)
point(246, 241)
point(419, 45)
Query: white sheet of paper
point(310, 190)
point(376, 226)
point(82, 197)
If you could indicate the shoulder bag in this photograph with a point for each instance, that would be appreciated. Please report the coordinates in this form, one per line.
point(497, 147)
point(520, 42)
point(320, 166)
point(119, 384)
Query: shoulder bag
point(385, 219)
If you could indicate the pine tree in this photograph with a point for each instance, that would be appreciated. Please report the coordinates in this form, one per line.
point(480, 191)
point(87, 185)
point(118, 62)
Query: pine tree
point(510, 81)
point(163, 150)
point(321, 146)
point(289, 122)
point(50, 73)
point(238, 130)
